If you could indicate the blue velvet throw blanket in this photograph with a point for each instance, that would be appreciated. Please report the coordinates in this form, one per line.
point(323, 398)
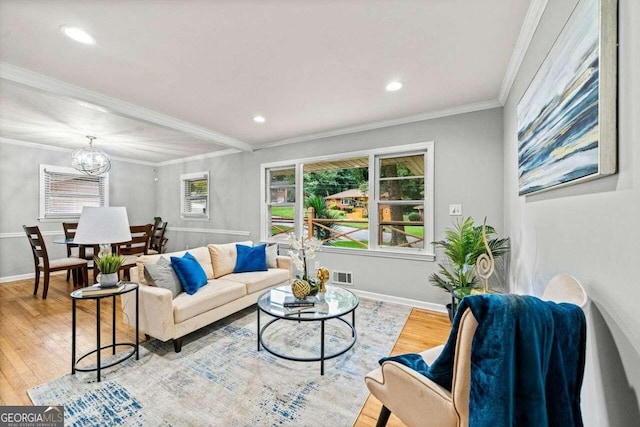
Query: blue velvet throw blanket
point(527, 361)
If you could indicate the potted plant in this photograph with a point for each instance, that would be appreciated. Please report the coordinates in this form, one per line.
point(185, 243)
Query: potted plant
point(109, 265)
point(462, 246)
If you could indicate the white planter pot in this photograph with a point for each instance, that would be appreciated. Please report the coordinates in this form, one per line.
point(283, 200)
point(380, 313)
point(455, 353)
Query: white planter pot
point(108, 280)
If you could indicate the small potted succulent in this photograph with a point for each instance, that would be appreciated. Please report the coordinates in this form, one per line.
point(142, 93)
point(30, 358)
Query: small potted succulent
point(109, 265)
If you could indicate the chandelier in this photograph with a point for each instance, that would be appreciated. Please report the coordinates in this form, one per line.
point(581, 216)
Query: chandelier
point(90, 160)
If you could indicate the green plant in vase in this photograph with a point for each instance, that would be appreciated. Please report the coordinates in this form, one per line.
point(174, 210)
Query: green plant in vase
point(109, 265)
point(462, 246)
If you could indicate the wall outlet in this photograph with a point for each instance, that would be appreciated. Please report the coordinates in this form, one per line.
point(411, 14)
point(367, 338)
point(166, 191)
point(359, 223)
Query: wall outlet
point(455, 210)
point(186, 247)
point(316, 265)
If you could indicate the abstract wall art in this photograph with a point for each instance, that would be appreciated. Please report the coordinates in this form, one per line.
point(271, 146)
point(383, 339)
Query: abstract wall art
point(567, 129)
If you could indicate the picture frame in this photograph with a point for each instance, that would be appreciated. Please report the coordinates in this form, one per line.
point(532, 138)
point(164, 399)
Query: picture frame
point(567, 118)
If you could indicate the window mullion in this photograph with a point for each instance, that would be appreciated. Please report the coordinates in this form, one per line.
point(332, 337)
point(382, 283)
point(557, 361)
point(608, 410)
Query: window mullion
point(374, 191)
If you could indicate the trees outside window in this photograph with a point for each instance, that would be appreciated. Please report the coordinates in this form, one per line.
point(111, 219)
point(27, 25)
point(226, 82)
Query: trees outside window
point(376, 200)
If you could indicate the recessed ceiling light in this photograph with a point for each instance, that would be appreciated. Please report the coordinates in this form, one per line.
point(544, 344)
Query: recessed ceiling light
point(259, 119)
point(78, 34)
point(394, 86)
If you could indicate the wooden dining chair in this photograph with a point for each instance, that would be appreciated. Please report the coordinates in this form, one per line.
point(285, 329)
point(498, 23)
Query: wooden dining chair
point(157, 241)
point(43, 263)
point(138, 245)
point(74, 250)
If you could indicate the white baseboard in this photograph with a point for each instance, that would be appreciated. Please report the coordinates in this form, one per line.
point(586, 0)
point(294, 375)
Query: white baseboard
point(440, 308)
point(6, 279)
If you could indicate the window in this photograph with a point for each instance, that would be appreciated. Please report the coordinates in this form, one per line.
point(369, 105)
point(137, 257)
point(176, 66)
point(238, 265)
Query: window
point(194, 195)
point(379, 200)
point(400, 200)
point(280, 203)
point(64, 191)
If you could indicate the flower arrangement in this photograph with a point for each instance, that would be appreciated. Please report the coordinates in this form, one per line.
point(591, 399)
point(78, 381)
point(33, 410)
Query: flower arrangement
point(302, 250)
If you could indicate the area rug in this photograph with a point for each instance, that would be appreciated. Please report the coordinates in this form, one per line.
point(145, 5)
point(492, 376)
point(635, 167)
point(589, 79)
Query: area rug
point(220, 379)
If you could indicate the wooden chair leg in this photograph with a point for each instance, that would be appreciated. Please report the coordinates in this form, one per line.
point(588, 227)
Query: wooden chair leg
point(68, 274)
point(37, 282)
point(46, 285)
point(74, 273)
point(385, 413)
point(85, 276)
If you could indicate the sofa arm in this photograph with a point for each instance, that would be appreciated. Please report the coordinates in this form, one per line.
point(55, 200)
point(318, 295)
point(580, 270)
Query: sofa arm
point(411, 396)
point(155, 311)
point(285, 263)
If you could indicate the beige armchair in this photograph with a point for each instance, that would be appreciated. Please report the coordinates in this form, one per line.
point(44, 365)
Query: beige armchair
point(418, 401)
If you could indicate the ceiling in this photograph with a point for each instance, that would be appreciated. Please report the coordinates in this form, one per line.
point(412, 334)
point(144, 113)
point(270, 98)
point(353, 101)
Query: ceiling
point(175, 79)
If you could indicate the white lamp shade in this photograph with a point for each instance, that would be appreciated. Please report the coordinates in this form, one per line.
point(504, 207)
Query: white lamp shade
point(102, 225)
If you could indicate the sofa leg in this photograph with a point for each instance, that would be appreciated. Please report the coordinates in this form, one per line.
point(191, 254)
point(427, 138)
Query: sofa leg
point(383, 417)
point(177, 344)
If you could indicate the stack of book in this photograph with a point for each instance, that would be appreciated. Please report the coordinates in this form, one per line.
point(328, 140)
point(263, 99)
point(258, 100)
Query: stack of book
point(97, 290)
point(294, 305)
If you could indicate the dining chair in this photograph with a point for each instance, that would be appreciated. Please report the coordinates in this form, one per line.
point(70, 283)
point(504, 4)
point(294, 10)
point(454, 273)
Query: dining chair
point(157, 241)
point(43, 263)
point(74, 250)
point(138, 245)
point(419, 401)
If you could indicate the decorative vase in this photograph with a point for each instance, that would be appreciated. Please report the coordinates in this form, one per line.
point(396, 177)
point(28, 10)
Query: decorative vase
point(108, 280)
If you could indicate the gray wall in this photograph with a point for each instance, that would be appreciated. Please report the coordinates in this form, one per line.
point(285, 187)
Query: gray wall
point(130, 185)
point(588, 230)
point(468, 167)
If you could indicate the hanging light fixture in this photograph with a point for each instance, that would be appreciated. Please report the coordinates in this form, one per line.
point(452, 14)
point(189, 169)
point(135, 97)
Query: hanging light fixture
point(91, 160)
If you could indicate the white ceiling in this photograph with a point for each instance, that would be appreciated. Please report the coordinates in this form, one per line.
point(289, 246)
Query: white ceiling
point(175, 79)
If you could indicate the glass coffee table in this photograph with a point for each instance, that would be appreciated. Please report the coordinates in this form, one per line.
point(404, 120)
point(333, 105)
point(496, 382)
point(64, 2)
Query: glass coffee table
point(337, 302)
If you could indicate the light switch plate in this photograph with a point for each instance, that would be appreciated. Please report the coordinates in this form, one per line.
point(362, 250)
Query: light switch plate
point(455, 210)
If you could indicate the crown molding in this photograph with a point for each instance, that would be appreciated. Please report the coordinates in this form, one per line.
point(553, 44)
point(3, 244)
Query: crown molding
point(115, 106)
point(528, 29)
point(468, 108)
point(199, 157)
point(66, 150)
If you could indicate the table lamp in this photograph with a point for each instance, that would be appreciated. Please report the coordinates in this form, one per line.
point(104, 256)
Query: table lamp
point(102, 226)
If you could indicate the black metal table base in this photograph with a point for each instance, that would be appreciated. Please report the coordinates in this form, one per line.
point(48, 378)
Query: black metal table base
point(322, 357)
point(135, 347)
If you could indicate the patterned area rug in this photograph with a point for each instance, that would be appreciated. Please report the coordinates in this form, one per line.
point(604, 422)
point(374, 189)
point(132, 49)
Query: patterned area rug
point(219, 379)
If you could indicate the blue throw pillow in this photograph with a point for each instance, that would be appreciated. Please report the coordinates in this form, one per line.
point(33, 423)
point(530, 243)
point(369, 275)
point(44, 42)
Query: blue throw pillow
point(190, 272)
point(251, 258)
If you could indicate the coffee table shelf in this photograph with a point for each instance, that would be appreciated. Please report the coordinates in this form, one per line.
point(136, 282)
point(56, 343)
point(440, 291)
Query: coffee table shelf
point(338, 302)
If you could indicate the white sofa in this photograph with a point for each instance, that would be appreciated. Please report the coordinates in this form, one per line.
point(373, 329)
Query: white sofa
point(164, 317)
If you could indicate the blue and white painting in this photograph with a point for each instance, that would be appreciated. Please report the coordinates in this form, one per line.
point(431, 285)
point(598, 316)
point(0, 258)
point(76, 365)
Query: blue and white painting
point(558, 129)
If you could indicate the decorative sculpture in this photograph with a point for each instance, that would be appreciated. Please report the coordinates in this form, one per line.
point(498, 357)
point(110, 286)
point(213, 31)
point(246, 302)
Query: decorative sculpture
point(485, 264)
point(323, 277)
point(300, 288)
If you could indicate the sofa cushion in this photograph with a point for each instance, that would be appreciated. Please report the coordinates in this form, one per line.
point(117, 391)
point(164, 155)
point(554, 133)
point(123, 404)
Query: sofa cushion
point(259, 280)
point(223, 257)
point(191, 275)
point(272, 255)
point(201, 254)
point(162, 275)
point(215, 294)
point(251, 258)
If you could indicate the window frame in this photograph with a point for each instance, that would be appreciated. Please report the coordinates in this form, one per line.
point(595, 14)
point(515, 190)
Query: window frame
point(195, 176)
point(42, 191)
point(374, 155)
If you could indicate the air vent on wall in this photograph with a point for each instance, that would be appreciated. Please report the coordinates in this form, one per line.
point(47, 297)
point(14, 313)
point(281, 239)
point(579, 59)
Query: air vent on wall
point(344, 278)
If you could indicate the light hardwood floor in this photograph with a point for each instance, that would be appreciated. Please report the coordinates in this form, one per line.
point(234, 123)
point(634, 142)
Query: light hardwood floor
point(35, 338)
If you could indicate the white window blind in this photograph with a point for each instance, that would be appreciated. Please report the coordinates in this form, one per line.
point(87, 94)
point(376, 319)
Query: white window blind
point(64, 192)
point(195, 195)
